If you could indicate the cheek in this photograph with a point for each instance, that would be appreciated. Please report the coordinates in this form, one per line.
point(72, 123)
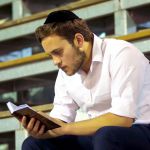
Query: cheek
point(69, 57)
point(67, 60)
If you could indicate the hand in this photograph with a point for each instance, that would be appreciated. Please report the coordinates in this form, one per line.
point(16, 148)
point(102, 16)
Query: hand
point(36, 129)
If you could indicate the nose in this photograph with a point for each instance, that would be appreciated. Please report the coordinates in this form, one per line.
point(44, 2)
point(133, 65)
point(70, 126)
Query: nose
point(57, 61)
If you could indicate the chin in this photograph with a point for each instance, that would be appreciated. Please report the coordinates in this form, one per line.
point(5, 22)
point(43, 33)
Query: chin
point(70, 73)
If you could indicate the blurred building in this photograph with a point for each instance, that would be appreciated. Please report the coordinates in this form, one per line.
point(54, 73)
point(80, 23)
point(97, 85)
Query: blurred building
point(27, 75)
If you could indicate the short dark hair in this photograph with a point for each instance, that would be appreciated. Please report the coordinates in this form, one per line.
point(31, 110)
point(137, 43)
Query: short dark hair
point(66, 27)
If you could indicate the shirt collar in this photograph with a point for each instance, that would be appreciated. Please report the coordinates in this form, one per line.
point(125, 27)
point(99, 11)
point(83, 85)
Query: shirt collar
point(97, 49)
point(97, 55)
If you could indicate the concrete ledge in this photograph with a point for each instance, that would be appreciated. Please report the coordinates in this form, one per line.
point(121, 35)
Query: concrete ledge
point(44, 108)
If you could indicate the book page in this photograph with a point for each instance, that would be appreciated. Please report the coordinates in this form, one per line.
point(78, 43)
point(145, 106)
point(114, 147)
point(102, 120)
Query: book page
point(25, 110)
point(12, 107)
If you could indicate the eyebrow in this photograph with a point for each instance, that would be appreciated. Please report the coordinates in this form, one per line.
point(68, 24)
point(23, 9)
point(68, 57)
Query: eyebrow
point(49, 53)
point(57, 49)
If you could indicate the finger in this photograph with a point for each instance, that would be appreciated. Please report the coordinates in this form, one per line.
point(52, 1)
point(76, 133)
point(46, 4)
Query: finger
point(42, 129)
point(31, 124)
point(36, 126)
point(24, 121)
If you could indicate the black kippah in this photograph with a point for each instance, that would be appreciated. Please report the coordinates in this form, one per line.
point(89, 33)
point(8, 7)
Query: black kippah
point(60, 16)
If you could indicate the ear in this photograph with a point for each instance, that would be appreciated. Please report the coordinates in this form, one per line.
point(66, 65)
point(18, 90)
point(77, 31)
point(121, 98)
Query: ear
point(78, 40)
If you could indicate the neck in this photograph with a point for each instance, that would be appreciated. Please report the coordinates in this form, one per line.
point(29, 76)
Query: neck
point(88, 52)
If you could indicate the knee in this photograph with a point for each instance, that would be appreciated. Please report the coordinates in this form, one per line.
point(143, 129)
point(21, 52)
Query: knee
point(28, 143)
point(104, 138)
point(106, 134)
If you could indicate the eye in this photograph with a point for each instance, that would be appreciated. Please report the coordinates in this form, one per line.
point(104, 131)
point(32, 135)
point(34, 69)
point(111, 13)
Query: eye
point(57, 52)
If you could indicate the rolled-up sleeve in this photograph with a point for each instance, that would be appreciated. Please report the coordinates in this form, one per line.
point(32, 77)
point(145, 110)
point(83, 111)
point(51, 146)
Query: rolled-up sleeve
point(64, 106)
point(127, 73)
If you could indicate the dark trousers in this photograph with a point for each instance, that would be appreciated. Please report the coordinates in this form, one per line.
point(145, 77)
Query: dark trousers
point(136, 137)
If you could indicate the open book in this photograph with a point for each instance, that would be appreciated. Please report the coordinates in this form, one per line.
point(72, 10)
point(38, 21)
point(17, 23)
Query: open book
point(25, 110)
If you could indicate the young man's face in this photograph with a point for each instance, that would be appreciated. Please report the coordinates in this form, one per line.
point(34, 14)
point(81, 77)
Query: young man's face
point(67, 57)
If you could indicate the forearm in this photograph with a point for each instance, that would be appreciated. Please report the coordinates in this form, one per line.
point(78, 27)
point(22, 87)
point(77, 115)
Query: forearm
point(86, 127)
point(89, 127)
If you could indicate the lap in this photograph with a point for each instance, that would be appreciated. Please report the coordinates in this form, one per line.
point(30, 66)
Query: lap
point(136, 137)
point(59, 143)
point(107, 138)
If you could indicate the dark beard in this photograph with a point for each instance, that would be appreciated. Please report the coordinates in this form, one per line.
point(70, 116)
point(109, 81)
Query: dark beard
point(79, 60)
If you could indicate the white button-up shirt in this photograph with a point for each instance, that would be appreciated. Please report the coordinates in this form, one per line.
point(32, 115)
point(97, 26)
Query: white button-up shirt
point(118, 82)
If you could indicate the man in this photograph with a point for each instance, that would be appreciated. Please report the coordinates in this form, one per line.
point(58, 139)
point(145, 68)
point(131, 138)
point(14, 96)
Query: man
point(108, 79)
